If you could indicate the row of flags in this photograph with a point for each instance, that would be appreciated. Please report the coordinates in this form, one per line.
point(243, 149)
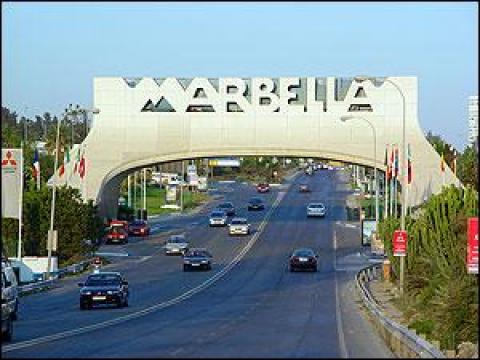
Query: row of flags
point(392, 163)
point(79, 166)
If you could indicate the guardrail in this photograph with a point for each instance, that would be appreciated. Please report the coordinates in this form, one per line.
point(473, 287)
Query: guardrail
point(72, 269)
point(402, 341)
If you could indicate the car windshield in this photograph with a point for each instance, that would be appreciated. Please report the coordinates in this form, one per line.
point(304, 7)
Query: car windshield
point(201, 253)
point(176, 239)
point(137, 223)
point(239, 222)
point(226, 205)
point(303, 252)
point(217, 214)
point(316, 206)
point(255, 201)
point(116, 230)
point(103, 280)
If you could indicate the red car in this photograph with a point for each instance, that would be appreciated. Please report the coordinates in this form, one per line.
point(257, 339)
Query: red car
point(263, 188)
point(139, 227)
point(117, 234)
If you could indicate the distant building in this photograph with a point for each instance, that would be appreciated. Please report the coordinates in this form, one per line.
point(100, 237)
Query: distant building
point(472, 120)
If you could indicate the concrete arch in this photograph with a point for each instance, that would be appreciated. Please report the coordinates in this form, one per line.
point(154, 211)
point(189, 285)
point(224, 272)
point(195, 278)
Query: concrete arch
point(124, 137)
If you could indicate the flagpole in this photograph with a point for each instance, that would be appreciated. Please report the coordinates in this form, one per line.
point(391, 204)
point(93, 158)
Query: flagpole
point(129, 195)
point(385, 189)
point(20, 207)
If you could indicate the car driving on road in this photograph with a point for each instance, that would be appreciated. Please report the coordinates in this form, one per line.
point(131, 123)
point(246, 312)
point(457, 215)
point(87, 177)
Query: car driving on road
point(177, 245)
point(139, 227)
point(218, 218)
point(255, 203)
point(316, 209)
point(239, 226)
point(117, 234)
point(9, 288)
point(228, 208)
point(263, 188)
point(303, 188)
point(104, 288)
point(303, 259)
point(198, 258)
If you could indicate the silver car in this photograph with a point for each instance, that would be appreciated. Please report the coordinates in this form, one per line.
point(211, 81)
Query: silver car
point(176, 244)
point(218, 218)
point(316, 209)
point(239, 226)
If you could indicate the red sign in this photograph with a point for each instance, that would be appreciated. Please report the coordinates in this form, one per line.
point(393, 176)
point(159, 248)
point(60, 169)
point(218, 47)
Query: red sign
point(400, 243)
point(472, 246)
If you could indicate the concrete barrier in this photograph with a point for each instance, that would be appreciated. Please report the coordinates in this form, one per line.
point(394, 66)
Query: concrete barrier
point(402, 341)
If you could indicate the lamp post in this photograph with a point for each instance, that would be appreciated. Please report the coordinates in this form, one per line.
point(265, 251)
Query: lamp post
point(347, 118)
point(403, 167)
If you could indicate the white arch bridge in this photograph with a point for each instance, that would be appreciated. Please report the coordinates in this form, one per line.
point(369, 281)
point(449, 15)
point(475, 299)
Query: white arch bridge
point(146, 121)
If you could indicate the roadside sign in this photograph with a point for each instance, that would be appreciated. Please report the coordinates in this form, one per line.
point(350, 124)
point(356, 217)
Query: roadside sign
point(472, 245)
point(52, 239)
point(400, 243)
point(369, 227)
point(171, 193)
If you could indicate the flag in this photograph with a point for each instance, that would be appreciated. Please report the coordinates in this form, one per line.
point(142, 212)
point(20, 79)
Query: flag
point(396, 161)
point(391, 162)
point(66, 159)
point(387, 172)
point(12, 184)
point(81, 166)
point(77, 160)
point(36, 165)
point(442, 164)
point(409, 165)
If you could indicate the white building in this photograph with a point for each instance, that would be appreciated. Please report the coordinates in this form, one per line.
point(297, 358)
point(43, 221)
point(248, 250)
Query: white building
point(472, 119)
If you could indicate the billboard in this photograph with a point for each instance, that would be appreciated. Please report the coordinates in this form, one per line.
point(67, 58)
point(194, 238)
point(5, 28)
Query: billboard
point(369, 227)
point(171, 193)
point(12, 174)
point(224, 162)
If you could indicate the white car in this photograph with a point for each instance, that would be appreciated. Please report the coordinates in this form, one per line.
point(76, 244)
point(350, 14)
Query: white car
point(239, 226)
point(176, 244)
point(316, 209)
point(218, 218)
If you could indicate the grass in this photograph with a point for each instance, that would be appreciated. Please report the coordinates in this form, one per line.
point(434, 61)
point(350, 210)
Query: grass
point(156, 199)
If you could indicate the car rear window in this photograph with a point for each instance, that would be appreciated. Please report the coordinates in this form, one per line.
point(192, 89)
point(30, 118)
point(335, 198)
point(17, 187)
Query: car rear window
point(239, 222)
point(217, 214)
point(303, 252)
point(103, 279)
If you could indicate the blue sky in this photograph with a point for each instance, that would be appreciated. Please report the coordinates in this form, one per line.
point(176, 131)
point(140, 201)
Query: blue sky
point(52, 51)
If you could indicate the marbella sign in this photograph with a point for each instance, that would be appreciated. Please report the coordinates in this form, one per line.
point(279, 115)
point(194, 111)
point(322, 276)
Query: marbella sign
point(288, 94)
point(400, 243)
point(472, 245)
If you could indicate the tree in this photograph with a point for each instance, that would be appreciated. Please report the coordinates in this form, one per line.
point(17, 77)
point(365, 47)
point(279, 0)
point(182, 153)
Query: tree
point(468, 167)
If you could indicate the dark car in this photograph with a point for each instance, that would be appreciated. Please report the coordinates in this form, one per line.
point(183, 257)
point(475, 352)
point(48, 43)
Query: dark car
point(303, 188)
point(197, 259)
point(139, 227)
point(227, 207)
point(255, 204)
point(104, 288)
point(263, 188)
point(303, 259)
point(117, 234)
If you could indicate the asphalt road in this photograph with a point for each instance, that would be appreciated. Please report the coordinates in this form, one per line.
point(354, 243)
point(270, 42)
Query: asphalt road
point(249, 305)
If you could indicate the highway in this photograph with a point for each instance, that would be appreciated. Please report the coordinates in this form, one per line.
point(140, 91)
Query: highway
point(249, 305)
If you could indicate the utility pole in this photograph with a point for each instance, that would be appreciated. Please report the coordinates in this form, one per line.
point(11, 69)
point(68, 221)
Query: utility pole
point(181, 186)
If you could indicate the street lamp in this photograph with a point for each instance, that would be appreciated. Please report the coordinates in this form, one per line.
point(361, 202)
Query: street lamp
point(349, 117)
point(403, 167)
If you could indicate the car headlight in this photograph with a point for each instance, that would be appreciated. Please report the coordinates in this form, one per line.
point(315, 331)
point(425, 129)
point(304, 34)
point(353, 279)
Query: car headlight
point(187, 262)
point(86, 293)
point(204, 261)
point(112, 292)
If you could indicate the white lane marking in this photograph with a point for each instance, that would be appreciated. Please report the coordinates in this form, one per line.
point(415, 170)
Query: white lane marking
point(110, 254)
point(341, 335)
point(176, 300)
point(179, 350)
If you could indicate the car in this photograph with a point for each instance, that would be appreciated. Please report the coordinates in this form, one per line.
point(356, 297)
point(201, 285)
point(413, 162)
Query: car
point(9, 288)
point(139, 227)
point(117, 234)
point(176, 244)
point(104, 288)
point(228, 208)
point(303, 259)
point(303, 188)
point(255, 203)
point(239, 226)
point(197, 258)
point(263, 187)
point(316, 209)
point(218, 218)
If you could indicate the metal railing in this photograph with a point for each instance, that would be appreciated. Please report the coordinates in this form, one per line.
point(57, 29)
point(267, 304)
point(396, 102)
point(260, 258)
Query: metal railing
point(400, 339)
point(72, 269)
